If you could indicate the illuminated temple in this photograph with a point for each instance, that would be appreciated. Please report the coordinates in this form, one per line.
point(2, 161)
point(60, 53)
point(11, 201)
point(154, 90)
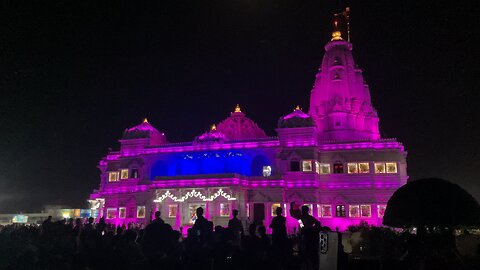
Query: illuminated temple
point(331, 158)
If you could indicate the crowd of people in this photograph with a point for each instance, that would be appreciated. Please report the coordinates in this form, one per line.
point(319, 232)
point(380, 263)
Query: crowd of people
point(73, 244)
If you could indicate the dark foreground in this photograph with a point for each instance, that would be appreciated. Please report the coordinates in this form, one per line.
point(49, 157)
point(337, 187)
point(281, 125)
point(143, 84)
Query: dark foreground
point(63, 245)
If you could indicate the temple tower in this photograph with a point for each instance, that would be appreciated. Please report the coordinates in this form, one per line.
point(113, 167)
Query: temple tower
point(340, 101)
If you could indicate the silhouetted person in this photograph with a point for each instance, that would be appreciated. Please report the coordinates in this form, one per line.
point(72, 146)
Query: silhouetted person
point(264, 240)
point(309, 232)
point(47, 221)
point(279, 227)
point(201, 226)
point(280, 244)
point(77, 228)
point(158, 242)
point(235, 225)
point(101, 226)
point(126, 253)
point(89, 226)
point(158, 218)
point(252, 247)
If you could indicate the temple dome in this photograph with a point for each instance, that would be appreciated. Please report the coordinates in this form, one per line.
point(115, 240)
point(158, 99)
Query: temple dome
point(295, 119)
point(144, 131)
point(239, 127)
point(211, 136)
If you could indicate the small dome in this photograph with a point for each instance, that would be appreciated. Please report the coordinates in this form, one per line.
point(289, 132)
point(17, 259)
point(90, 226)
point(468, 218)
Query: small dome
point(239, 127)
point(295, 119)
point(211, 136)
point(144, 131)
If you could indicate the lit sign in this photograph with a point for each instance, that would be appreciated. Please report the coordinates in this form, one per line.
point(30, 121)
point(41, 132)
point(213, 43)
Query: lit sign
point(20, 219)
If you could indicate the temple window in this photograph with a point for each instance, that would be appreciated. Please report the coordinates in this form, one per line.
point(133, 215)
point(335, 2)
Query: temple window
point(338, 167)
point(192, 209)
point(267, 171)
point(324, 168)
point(380, 168)
point(310, 207)
point(134, 173)
point(111, 213)
point(391, 167)
point(122, 212)
point(381, 210)
point(294, 166)
point(388, 167)
point(124, 174)
point(352, 168)
point(113, 176)
point(172, 210)
point(224, 209)
point(274, 209)
point(140, 211)
point(354, 211)
point(324, 210)
point(340, 211)
point(306, 165)
point(366, 211)
point(363, 167)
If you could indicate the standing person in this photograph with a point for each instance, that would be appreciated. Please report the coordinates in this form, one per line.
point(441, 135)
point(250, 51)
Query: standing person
point(90, 226)
point(235, 225)
point(158, 218)
point(309, 233)
point(279, 227)
point(47, 221)
point(280, 244)
point(201, 226)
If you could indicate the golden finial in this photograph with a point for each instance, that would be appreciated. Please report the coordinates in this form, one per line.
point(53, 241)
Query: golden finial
point(337, 35)
point(237, 108)
point(145, 120)
point(213, 128)
point(297, 108)
point(345, 21)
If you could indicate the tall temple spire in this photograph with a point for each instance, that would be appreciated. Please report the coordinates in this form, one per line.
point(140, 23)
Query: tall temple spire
point(340, 101)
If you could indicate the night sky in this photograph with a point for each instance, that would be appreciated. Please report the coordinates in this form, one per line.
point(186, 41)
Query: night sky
point(73, 77)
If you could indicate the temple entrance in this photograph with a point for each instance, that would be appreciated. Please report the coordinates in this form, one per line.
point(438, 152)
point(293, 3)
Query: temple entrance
point(258, 213)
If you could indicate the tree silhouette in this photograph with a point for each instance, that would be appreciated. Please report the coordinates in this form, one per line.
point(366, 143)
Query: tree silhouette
point(431, 202)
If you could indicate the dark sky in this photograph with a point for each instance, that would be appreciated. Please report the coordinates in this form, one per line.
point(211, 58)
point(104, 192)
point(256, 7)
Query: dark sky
point(73, 77)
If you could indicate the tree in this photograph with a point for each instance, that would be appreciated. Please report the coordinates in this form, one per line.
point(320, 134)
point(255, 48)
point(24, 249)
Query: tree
point(429, 203)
